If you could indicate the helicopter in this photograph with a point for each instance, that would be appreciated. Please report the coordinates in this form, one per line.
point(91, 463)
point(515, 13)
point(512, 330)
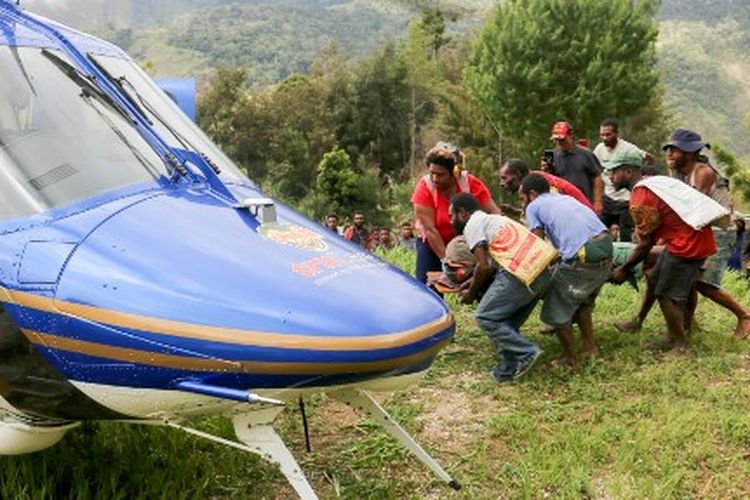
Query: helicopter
point(145, 279)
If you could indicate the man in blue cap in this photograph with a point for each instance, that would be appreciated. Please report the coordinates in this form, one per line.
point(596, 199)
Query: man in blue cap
point(687, 164)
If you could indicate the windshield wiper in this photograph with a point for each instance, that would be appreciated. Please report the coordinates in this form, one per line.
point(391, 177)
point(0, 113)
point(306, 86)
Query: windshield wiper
point(89, 91)
point(119, 133)
point(142, 104)
point(88, 88)
point(181, 157)
point(116, 82)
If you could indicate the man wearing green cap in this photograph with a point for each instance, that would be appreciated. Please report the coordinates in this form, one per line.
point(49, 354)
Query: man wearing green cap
point(658, 209)
point(634, 159)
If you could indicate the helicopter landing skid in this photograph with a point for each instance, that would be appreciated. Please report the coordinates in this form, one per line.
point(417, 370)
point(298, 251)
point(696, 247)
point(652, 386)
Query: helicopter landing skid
point(257, 435)
point(362, 401)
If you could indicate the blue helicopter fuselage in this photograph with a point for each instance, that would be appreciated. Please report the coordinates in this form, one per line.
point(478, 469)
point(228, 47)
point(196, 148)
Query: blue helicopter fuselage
point(129, 262)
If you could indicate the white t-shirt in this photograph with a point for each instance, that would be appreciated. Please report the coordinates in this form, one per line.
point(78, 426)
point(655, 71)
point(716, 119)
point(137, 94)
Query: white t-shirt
point(605, 155)
point(482, 228)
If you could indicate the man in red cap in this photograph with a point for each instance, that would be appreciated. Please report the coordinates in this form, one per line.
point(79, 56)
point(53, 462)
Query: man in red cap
point(577, 165)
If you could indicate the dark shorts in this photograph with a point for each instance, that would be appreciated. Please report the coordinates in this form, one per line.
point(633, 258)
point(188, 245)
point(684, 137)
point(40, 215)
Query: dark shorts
point(673, 277)
point(617, 212)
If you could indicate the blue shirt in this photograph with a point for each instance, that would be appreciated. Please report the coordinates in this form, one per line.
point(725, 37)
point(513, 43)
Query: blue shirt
point(566, 222)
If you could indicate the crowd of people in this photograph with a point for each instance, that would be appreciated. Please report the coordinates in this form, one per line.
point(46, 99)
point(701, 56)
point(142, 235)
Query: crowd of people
point(584, 218)
point(372, 238)
point(580, 211)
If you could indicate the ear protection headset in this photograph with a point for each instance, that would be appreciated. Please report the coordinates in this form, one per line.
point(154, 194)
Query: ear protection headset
point(458, 156)
point(460, 161)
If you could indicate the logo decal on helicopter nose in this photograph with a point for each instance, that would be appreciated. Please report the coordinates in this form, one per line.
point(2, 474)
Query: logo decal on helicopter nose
point(295, 236)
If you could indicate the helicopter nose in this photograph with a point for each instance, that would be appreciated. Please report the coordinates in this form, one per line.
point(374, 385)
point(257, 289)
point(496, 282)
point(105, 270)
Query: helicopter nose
point(180, 285)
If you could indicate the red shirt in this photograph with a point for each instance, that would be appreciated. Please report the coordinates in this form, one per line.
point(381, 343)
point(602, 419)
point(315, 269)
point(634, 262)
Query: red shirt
point(425, 197)
point(654, 217)
point(564, 187)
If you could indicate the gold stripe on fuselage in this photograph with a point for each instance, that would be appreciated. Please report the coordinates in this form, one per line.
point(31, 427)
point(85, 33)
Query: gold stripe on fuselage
point(235, 336)
point(161, 360)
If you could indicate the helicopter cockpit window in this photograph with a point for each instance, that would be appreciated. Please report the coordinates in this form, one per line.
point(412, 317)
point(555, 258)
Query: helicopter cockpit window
point(58, 142)
point(155, 102)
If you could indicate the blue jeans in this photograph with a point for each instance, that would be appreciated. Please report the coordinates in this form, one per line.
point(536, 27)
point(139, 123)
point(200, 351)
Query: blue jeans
point(427, 260)
point(504, 308)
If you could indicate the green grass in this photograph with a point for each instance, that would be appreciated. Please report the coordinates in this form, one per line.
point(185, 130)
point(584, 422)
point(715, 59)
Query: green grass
point(631, 425)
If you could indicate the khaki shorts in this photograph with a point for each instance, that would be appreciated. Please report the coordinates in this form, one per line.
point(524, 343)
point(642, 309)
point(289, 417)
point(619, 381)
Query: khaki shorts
point(574, 285)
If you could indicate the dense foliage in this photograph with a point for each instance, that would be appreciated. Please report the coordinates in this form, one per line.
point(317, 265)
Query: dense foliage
point(251, 35)
point(375, 118)
point(372, 120)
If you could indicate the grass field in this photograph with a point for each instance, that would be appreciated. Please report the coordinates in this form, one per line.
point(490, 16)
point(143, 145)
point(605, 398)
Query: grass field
point(631, 425)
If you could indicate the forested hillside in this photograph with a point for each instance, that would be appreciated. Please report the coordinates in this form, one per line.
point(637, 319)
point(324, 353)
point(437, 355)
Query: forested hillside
point(270, 39)
point(701, 48)
point(275, 40)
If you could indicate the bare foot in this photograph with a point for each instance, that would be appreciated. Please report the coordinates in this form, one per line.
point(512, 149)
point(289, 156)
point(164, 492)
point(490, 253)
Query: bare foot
point(629, 326)
point(568, 362)
point(678, 351)
point(592, 352)
point(661, 345)
point(743, 328)
point(547, 329)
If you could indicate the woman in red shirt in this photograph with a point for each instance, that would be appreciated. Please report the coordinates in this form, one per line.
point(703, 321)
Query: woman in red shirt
point(431, 200)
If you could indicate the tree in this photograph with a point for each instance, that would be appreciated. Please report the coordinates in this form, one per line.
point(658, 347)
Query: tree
point(337, 182)
point(433, 25)
point(217, 108)
point(378, 128)
point(539, 61)
point(290, 174)
point(342, 188)
point(420, 50)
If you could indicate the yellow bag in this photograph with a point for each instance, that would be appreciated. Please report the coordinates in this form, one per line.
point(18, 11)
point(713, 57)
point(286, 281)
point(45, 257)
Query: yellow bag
point(521, 252)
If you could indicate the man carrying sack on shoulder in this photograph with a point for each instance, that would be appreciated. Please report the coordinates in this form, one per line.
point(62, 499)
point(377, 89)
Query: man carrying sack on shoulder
point(671, 211)
point(520, 281)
